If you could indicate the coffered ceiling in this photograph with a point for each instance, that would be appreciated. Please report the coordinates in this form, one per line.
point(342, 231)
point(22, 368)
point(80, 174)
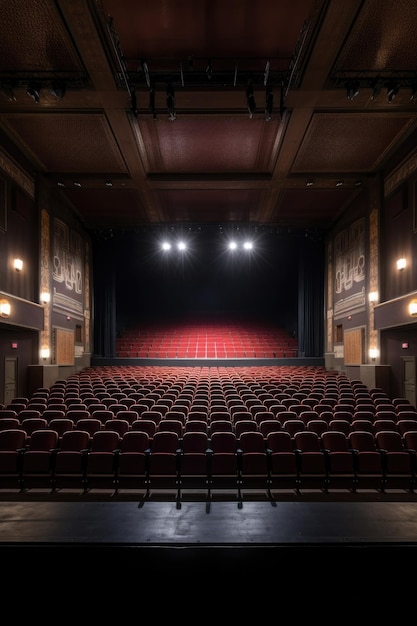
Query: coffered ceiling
point(272, 112)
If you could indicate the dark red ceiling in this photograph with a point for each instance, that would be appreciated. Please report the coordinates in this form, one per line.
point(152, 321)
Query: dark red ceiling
point(215, 162)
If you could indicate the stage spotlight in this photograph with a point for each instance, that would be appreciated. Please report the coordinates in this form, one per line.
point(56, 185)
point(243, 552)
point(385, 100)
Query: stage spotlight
point(171, 103)
point(34, 91)
point(7, 89)
point(152, 101)
point(269, 104)
point(352, 89)
point(58, 89)
point(392, 90)
point(250, 99)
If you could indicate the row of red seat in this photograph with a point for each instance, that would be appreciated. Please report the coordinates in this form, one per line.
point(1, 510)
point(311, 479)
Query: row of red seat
point(197, 461)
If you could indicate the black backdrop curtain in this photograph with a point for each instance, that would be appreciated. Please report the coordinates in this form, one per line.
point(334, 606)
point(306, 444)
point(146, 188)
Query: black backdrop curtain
point(311, 298)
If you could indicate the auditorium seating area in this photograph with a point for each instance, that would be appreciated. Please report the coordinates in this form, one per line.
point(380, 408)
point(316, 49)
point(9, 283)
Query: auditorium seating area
point(228, 432)
point(221, 339)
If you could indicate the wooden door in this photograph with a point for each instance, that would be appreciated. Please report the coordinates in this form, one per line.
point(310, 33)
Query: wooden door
point(10, 379)
point(409, 378)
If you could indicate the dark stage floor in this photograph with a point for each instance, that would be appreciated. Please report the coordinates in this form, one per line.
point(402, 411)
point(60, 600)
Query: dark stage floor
point(144, 547)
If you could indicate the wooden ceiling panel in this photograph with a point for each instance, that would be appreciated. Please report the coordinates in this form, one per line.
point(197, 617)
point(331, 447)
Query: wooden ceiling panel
point(217, 144)
point(349, 142)
point(68, 143)
point(381, 38)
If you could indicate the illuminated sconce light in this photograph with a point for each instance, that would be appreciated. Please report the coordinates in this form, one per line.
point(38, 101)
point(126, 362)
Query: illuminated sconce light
point(373, 296)
point(5, 308)
point(401, 263)
point(45, 353)
point(18, 265)
point(412, 308)
point(373, 353)
point(45, 297)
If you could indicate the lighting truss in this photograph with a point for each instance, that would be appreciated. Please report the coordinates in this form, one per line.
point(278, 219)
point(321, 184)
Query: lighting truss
point(374, 82)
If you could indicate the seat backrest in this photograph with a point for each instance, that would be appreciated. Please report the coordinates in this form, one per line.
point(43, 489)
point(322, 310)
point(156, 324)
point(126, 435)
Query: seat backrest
point(307, 441)
point(9, 422)
point(221, 425)
point(334, 441)
point(12, 439)
point(61, 424)
point(144, 425)
point(134, 441)
point(410, 439)
point(280, 441)
point(104, 441)
point(128, 415)
point(166, 442)
point(44, 439)
point(29, 414)
point(389, 440)
point(293, 426)
point(33, 423)
point(90, 424)
point(242, 426)
point(403, 426)
point(362, 440)
point(171, 425)
point(75, 440)
point(194, 442)
point(119, 425)
point(269, 426)
point(195, 425)
point(223, 442)
point(252, 442)
point(319, 426)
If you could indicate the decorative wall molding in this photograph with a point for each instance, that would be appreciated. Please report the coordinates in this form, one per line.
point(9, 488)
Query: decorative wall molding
point(19, 176)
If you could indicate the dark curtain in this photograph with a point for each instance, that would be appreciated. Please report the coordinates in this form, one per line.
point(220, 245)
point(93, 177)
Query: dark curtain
point(104, 312)
point(311, 298)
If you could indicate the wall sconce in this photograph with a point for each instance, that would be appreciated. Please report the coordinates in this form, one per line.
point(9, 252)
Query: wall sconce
point(401, 263)
point(45, 353)
point(45, 297)
point(5, 308)
point(373, 296)
point(18, 265)
point(412, 308)
point(373, 353)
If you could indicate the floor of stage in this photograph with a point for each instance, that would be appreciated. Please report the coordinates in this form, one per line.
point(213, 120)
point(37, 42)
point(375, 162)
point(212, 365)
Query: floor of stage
point(242, 549)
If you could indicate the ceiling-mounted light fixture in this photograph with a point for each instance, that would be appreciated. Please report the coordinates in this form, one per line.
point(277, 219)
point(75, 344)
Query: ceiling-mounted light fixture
point(145, 69)
point(250, 99)
point(375, 85)
point(7, 89)
point(269, 104)
point(392, 90)
point(171, 103)
point(352, 89)
point(34, 91)
point(209, 69)
point(58, 89)
point(152, 101)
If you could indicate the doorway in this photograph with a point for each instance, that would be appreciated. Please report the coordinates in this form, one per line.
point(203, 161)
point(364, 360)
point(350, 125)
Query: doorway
point(10, 379)
point(409, 378)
